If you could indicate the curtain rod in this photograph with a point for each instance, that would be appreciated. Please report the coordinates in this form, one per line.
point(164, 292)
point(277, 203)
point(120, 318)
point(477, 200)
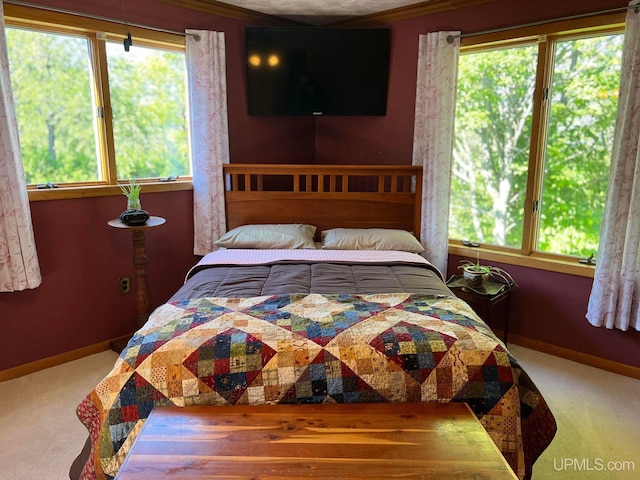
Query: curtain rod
point(98, 17)
point(451, 38)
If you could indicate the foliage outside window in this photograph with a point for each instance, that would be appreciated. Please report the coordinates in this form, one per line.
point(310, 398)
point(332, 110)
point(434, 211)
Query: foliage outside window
point(91, 114)
point(582, 116)
point(53, 88)
point(148, 98)
point(491, 152)
point(533, 178)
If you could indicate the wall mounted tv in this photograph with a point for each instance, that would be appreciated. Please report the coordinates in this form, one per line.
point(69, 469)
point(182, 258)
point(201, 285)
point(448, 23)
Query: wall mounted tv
point(317, 71)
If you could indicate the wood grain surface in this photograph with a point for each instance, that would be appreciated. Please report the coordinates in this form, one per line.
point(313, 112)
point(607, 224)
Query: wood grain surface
point(354, 441)
point(327, 196)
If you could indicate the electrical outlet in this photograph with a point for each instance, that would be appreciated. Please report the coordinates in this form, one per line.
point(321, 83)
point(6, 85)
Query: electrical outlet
point(125, 285)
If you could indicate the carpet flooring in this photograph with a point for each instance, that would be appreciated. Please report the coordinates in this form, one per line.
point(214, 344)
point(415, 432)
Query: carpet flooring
point(598, 415)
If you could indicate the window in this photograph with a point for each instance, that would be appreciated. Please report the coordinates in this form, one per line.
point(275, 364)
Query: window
point(53, 89)
point(491, 154)
point(535, 120)
point(90, 114)
point(582, 114)
point(148, 92)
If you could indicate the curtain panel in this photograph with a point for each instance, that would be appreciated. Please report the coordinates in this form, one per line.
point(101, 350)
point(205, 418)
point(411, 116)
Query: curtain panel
point(19, 267)
point(209, 132)
point(433, 138)
point(616, 286)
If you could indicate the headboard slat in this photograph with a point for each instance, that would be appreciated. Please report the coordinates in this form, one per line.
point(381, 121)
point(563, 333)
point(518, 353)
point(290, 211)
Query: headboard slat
point(367, 196)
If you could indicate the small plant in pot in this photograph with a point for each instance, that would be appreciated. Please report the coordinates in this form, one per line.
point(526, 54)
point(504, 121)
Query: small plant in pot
point(132, 192)
point(475, 274)
point(133, 216)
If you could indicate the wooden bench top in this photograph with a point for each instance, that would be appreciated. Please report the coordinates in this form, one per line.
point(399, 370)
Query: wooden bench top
point(347, 441)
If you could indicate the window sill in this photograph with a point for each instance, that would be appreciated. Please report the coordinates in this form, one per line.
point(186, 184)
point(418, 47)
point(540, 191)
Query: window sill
point(85, 191)
point(537, 261)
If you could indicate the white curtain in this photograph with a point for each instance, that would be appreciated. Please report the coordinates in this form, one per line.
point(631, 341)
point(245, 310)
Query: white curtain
point(433, 138)
point(616, 287)
point(19, 268)
point(209, 134)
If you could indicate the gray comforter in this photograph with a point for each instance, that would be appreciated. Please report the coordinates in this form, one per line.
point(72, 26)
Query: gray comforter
point(323, 278)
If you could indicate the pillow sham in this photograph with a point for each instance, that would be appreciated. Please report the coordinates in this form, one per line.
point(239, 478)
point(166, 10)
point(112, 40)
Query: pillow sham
point(275, 236)
point(370, 239)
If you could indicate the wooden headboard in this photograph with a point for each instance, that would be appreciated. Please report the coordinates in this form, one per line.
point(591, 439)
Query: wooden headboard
point(327, 196)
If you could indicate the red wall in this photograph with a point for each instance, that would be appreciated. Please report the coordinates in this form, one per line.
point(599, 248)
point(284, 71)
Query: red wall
point(389, 139)
point(550, 307)
point(81, 257)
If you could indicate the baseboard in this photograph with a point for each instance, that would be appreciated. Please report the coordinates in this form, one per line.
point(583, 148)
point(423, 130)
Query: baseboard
point(579, 357)
point(48, 362)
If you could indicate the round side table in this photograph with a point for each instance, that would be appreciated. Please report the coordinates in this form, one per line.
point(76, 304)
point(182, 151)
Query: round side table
point(140, 262)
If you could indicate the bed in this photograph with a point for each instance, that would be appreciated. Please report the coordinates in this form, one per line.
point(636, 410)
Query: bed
point(318, 293)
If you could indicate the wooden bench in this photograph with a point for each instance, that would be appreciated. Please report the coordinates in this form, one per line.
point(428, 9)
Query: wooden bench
point(347, 441)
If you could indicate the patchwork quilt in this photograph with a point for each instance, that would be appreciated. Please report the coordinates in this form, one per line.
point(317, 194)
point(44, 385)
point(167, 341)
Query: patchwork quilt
point(304, 348)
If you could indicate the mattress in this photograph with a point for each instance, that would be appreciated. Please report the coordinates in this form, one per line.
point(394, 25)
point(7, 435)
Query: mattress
point(251, 273)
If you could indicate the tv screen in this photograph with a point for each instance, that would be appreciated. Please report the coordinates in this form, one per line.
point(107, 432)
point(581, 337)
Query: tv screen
point(317, 71)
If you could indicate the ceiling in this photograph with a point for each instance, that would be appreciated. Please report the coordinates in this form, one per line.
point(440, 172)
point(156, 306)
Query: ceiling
point(323, 12)
point(320, 12)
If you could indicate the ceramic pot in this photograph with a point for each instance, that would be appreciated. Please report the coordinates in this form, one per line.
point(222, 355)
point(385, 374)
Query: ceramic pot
point(474, 279)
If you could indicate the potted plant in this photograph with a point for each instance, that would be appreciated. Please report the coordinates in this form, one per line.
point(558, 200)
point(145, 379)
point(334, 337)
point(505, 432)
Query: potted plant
point(133, 216)
point(132, 192)
point(475, 274)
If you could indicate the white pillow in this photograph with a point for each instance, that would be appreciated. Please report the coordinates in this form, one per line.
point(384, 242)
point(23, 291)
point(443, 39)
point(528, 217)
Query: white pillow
point(275, 236)
point(370, 239)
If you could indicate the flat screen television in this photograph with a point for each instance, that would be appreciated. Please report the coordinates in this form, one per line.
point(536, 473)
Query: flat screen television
point(317, 70)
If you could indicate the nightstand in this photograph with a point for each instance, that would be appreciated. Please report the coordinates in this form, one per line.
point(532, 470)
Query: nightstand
point(491, 301)
point(140, 265)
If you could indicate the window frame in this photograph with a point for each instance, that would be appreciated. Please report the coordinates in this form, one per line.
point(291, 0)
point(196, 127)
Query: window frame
point(545, 36)
point(97, 32)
